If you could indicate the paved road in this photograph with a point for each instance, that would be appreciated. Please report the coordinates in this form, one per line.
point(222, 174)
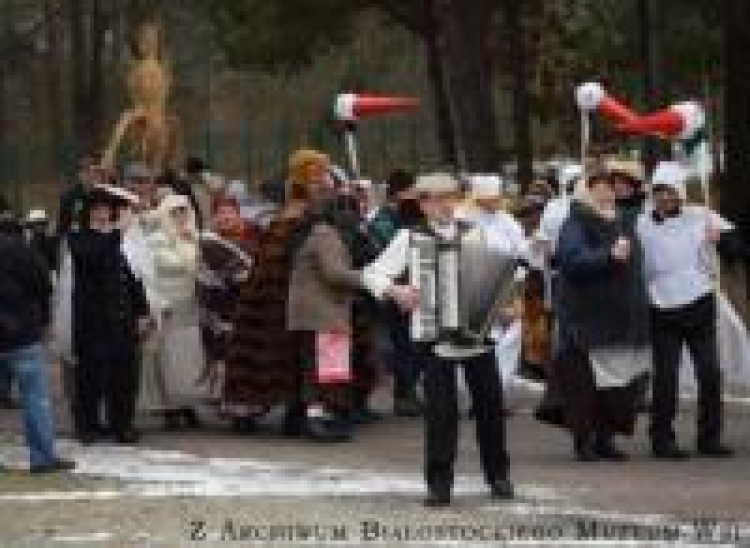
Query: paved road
point(215, 484)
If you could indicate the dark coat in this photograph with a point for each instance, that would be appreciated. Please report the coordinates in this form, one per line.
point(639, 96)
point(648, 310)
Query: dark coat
point(108, 299)
point(603, 303)
point(72, 206)
point(25, 292)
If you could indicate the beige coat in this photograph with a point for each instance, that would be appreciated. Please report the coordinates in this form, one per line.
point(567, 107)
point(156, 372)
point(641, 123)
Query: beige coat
point(323, 284)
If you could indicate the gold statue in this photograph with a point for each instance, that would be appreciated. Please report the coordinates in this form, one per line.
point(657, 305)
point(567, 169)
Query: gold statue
point(147, 127)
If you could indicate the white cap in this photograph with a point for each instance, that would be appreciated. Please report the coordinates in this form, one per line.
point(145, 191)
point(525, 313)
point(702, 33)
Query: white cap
point(671, 174)
point(36, 216)
point(567, 174)
point(486, 186)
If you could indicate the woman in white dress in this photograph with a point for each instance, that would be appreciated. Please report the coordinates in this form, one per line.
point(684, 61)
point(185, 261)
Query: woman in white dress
point(181, 355)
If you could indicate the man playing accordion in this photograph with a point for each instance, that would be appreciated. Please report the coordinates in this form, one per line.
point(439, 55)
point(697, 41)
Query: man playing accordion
point(461, 280)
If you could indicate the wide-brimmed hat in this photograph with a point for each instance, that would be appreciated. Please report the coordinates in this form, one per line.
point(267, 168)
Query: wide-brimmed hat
point(110, 195)
point(632, 169)
point(436, 183)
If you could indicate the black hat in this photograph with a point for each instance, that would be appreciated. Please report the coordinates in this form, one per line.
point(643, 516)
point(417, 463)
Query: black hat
point(399, 181)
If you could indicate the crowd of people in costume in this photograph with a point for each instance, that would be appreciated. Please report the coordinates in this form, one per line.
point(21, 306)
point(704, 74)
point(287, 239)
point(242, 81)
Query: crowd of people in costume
point(181, 295)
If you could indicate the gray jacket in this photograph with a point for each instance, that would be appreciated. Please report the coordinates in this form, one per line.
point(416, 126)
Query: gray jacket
point(323, 283)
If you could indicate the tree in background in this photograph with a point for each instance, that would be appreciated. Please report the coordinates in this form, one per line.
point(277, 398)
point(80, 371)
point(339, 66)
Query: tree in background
point(735, 184)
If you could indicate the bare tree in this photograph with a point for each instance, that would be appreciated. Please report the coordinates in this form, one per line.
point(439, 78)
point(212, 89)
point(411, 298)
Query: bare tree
point(55, 114)
point(468, 84)
point(735, 184)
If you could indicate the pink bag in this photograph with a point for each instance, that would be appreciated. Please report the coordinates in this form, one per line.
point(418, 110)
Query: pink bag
point(332, 357)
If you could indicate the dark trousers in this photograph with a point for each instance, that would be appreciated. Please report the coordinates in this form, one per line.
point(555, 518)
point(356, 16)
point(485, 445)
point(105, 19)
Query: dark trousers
point(100, 378)
point(6, 384)
point(693, 325)
point(441, 417)
point(405, 358)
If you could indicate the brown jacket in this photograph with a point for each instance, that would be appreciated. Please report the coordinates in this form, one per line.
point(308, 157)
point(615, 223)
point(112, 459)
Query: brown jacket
point(323, 284)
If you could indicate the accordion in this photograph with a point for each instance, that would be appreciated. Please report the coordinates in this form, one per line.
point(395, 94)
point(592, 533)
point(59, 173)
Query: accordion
point(463, 285)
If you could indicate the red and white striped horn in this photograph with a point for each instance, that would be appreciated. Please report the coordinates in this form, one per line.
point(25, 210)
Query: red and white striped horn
point(350, 107)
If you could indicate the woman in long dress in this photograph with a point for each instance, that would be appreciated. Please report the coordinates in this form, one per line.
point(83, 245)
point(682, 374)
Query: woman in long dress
point(262, 360)
point(181, 355)
point(601, 364)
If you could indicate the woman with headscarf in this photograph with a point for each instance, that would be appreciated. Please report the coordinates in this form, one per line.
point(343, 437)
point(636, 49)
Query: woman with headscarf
point(226, 259)
point(599, 372)
point(181, 355)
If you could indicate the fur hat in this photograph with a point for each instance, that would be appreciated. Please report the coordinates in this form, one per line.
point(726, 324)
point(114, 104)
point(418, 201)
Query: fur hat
point(300, 163)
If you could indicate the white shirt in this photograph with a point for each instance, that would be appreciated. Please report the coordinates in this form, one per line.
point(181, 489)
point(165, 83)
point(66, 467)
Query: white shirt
point(503, 233)
point(552, 220)
point(378, 276)
point(678, 256)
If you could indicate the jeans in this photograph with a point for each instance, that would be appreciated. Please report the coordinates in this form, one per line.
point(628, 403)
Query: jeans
point(29, 366)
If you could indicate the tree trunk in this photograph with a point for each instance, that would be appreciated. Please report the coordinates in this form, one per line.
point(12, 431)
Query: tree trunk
point(3, 127)
point(96, 90)
point(5, 160)
point(445, 129)
point(53, 88)
point(523, 143)
point(649, 18)
point(734, 192)
point(79, 81)
point(468, 84)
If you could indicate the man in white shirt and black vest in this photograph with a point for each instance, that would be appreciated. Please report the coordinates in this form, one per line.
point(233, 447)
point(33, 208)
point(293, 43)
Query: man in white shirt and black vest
point(438, 195)
point(679, 242)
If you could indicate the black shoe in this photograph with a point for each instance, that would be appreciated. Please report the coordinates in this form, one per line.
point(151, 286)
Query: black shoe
point(131, 436)
point(715, 450)
point(669, 452)
point(57, 465)
point(172, 420)
point(191, 418)
point(88, 437)
point(438, 498)
point(7, 402)
point(584, 449)
point(294, 421)
point(244, 425)
point(501, 490)
point(605, 449)
point(331, 430)
point(407, 406)
point(364, 415)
